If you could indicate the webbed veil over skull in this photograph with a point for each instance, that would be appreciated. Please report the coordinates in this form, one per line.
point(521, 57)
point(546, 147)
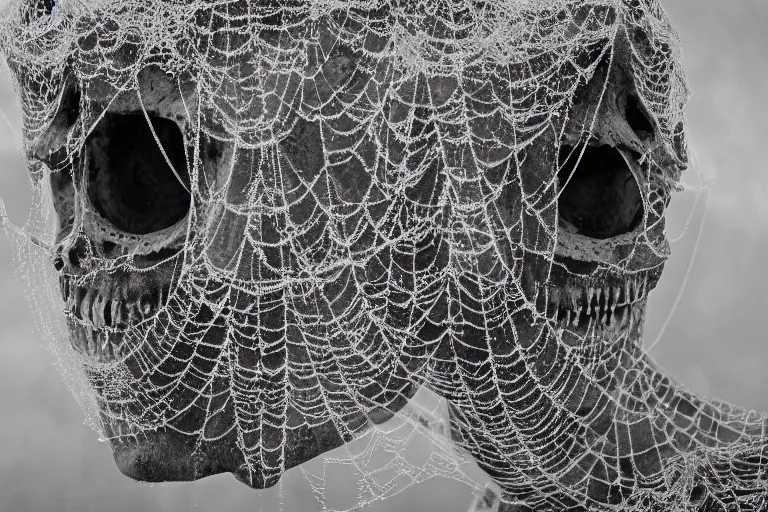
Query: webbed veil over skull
point(277, 219)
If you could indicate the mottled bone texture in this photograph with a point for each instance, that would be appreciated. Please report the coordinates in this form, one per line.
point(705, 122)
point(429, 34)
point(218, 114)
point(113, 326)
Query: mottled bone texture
point(367, 217)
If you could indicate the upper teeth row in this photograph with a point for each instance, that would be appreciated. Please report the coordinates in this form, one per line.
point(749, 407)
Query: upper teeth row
point(597, 301)
point(98, 310)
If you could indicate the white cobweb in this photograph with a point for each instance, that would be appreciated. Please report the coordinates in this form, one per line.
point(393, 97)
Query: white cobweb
point(395, 258)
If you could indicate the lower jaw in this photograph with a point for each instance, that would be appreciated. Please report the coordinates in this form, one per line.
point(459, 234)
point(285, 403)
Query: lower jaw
point(179, 447)
point(96, 346)
point(165, 455)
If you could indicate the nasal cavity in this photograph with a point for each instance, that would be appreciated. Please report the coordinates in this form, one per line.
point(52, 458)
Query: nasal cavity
point(138, 178)
point(599, 196)
point(638, 118)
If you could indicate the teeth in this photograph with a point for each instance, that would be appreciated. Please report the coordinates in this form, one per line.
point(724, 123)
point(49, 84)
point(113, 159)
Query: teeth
point(146, 306)
point(608, 308)
point(116, 314)
point(134, 316)
point(68, 304)
point(98, 312)
point(554, 298)
point(85, 307)
point(77, 303)
point(122, 313)
point(91, 341)
point(575, 296)
point(64, 286)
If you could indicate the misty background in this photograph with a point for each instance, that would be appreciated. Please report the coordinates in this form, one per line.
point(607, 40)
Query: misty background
point(714, 341)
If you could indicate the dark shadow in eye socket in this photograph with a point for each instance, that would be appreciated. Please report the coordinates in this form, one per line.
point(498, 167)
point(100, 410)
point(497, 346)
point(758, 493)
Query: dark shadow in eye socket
point(599, 195)
point(130, 182)
point(37, 9)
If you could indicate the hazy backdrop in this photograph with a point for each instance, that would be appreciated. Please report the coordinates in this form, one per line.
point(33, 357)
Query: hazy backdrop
point(714, 341)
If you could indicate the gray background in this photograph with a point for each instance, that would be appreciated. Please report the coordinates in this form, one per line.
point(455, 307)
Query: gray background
point(714, 341)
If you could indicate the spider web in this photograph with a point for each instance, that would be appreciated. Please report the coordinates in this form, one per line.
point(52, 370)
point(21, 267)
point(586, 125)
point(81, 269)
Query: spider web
point(403, 249)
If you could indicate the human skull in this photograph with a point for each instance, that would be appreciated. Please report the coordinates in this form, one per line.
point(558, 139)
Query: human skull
point(277, 220)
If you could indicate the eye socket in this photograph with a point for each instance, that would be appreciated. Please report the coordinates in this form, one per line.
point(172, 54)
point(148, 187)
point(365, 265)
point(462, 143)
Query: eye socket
point(130, 182)
point(39, 9)
point(599, 196)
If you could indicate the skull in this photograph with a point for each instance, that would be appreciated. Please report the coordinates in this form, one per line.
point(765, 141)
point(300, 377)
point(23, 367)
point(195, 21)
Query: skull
point(275, 222)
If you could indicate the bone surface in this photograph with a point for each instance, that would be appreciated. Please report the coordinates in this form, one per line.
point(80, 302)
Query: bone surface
point(276, 221)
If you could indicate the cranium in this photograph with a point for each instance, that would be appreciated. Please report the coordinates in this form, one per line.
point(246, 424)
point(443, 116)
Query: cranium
point(276, 221)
